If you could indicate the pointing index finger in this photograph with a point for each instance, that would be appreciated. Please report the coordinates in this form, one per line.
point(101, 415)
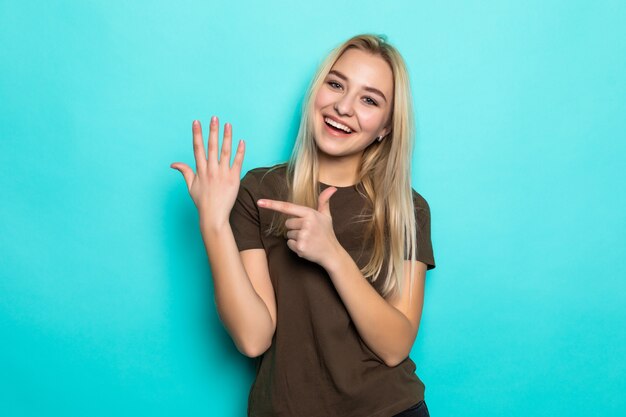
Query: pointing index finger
point(283, 207)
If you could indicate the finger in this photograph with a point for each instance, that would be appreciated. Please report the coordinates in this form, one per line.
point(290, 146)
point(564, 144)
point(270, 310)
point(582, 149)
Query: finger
point(198, 146)
point(238, 162)
point(323, 201)
point(226, 146)
point(187, 172)
point(293, 234)
point(294, 223)
point(284, 207)
point(213, 132)
point(292, 245)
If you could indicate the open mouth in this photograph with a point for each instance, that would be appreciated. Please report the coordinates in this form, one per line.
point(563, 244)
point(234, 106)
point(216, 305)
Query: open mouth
point(336, 127)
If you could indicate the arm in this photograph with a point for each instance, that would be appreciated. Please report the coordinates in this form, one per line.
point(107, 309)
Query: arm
point(244, 296)
point(243, 293)
point(389, 328)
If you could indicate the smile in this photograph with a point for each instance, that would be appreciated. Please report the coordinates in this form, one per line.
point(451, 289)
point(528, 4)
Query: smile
point(336, 126)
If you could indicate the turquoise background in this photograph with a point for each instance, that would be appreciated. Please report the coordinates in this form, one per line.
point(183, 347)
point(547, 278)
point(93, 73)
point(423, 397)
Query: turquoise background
point(106, 298)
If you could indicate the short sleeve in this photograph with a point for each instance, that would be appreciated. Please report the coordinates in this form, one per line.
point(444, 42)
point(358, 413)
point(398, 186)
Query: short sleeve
point(244, 217)
point(424, 250)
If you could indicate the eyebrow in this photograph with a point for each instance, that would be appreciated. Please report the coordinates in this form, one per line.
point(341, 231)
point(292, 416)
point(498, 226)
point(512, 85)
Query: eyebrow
point(371, 89)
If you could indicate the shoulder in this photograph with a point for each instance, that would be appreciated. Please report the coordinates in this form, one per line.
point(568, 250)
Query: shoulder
point(269, 179)
point(422, 209)
point(270, 172)
point(419, 201)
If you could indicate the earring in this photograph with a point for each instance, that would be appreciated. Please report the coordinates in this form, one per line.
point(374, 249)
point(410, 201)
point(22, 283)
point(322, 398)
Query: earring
point(380, 138)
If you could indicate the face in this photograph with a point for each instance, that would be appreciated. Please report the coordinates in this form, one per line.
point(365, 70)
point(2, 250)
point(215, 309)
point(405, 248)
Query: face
point(353, 105)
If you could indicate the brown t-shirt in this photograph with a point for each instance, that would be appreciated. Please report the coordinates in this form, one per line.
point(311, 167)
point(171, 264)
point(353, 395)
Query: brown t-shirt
point(317, 364)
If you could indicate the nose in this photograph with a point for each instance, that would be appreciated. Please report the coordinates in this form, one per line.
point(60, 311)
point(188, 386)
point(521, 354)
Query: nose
point(344, 105)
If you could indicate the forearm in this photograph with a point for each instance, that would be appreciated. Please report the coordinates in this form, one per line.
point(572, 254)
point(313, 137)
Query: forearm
point(241, 309)
point(385, 330)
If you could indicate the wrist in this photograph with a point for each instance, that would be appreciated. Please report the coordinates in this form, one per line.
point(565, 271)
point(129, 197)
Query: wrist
point(213, 226)
point(335, 259)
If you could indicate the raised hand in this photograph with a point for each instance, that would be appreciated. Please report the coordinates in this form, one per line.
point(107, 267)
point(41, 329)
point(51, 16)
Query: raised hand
point(215, 184)
point(310, 232)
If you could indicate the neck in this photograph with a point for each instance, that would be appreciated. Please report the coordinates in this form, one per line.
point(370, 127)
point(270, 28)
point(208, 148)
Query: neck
point(339, 171)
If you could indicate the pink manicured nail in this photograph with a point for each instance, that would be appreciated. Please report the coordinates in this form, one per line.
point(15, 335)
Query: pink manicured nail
point(213, 119)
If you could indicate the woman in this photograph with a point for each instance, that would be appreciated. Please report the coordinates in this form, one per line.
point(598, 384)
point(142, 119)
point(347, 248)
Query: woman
point(311, 259)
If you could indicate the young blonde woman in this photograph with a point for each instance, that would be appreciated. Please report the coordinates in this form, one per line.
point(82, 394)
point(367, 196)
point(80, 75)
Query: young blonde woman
point(319, 263)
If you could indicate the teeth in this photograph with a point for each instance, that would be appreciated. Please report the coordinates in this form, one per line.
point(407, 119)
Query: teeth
point(337, 125)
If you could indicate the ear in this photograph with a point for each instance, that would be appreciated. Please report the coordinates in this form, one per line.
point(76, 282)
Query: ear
point(385, 131)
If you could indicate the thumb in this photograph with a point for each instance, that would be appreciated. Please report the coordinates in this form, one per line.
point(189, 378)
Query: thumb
point(185, 170)
point(323, 201)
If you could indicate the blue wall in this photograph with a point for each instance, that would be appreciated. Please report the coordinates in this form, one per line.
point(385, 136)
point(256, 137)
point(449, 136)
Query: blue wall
point(106, 299)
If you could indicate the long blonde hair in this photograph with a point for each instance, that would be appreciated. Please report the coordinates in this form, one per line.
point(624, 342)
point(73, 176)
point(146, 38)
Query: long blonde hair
point(384, 171)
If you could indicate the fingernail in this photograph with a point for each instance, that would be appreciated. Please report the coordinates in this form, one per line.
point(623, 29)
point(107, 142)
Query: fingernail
point(261, 202)
point(195, 123)
point(213, 119)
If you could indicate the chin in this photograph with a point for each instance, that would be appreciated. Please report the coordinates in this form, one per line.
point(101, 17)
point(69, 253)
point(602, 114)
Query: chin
point(327, 147)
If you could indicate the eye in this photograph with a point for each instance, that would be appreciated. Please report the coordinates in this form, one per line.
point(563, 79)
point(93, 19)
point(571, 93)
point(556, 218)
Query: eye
point(334, 84)
point(371, 101)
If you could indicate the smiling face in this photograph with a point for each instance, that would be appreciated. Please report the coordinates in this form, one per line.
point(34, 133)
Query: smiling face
point(352, 107)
